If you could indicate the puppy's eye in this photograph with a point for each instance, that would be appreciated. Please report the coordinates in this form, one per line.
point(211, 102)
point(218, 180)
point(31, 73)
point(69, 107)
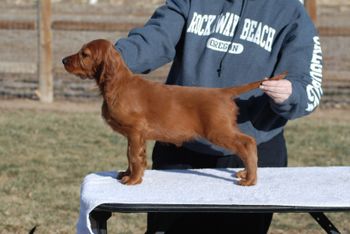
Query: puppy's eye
point(85, 53)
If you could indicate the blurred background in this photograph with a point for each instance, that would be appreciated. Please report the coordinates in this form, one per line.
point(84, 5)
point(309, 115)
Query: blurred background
point(47, 145)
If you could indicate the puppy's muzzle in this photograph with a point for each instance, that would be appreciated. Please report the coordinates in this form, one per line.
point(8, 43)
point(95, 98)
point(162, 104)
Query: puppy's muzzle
point(65, 61)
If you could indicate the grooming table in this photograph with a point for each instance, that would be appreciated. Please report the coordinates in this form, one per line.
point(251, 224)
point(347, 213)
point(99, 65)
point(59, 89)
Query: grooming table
point(306, 189)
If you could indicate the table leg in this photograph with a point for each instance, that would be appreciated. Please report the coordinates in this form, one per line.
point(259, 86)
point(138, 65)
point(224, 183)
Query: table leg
point(98, 221)
point(324, 222)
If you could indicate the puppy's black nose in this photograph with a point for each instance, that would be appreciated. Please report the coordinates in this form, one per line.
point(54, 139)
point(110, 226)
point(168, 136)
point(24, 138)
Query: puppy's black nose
point(65, 61)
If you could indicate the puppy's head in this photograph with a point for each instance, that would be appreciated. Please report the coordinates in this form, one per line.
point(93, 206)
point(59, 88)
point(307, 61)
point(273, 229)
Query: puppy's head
point(93, 60)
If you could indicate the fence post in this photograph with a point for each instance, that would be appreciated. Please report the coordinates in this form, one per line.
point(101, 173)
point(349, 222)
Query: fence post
point(45, 92)
point(311, 7)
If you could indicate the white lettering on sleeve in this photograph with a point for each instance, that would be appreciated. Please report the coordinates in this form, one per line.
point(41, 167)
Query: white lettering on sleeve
point(314, 89)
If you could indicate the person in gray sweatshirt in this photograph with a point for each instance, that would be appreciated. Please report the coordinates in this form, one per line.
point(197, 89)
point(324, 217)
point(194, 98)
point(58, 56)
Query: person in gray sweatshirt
point(226, 43)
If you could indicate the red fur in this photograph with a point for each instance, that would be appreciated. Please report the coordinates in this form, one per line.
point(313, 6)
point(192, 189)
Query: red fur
point(143, 110)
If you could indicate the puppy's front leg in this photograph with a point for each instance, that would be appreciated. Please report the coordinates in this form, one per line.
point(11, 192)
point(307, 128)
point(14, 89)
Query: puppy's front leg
point(136, 159)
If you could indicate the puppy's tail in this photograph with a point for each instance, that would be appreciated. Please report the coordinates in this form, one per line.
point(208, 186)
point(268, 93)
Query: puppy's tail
point(235, 91)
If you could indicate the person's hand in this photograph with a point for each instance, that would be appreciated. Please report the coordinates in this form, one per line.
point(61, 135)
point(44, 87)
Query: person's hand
point(278, 90)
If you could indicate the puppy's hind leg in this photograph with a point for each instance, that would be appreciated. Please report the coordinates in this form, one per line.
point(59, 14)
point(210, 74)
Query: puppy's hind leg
point(245, 147)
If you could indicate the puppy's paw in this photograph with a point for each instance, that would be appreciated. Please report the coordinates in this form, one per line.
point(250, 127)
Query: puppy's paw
point(242, 174)
point(122, 174)
point(128, 180)
point(248, 181)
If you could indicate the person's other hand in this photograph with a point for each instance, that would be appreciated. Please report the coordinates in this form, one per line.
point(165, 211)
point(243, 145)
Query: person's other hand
point(278, 90)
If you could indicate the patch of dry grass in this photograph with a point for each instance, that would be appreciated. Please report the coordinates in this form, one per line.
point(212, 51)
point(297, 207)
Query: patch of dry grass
point(46, 152)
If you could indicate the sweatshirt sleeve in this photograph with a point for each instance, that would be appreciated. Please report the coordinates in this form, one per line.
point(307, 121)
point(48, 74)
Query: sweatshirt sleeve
point(301, 56)
point(153, 45)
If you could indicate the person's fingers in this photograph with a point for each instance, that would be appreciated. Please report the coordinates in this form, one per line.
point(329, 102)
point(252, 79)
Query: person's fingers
point(279, 90)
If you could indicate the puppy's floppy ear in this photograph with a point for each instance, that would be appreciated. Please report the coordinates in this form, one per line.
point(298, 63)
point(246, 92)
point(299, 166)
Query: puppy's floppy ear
point(109, 64)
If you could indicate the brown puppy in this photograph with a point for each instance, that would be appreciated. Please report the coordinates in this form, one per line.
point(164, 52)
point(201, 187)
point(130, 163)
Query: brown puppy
point(143, 110)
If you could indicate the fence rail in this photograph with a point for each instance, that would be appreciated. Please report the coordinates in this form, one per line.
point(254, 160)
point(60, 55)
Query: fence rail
point(20, 25)
point(69, 25)
point(93, 26)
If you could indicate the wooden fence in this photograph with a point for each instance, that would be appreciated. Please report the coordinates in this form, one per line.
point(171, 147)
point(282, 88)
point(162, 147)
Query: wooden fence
point(337, 86)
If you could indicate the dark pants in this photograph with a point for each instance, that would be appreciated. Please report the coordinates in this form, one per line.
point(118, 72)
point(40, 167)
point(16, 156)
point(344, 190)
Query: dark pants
point(166, 156)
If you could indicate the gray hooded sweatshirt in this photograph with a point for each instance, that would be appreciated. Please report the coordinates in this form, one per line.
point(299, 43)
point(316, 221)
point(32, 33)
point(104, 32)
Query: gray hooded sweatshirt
point(222, 43)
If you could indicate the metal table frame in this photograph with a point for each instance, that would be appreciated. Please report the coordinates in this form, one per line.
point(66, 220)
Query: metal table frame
point(100, 215)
